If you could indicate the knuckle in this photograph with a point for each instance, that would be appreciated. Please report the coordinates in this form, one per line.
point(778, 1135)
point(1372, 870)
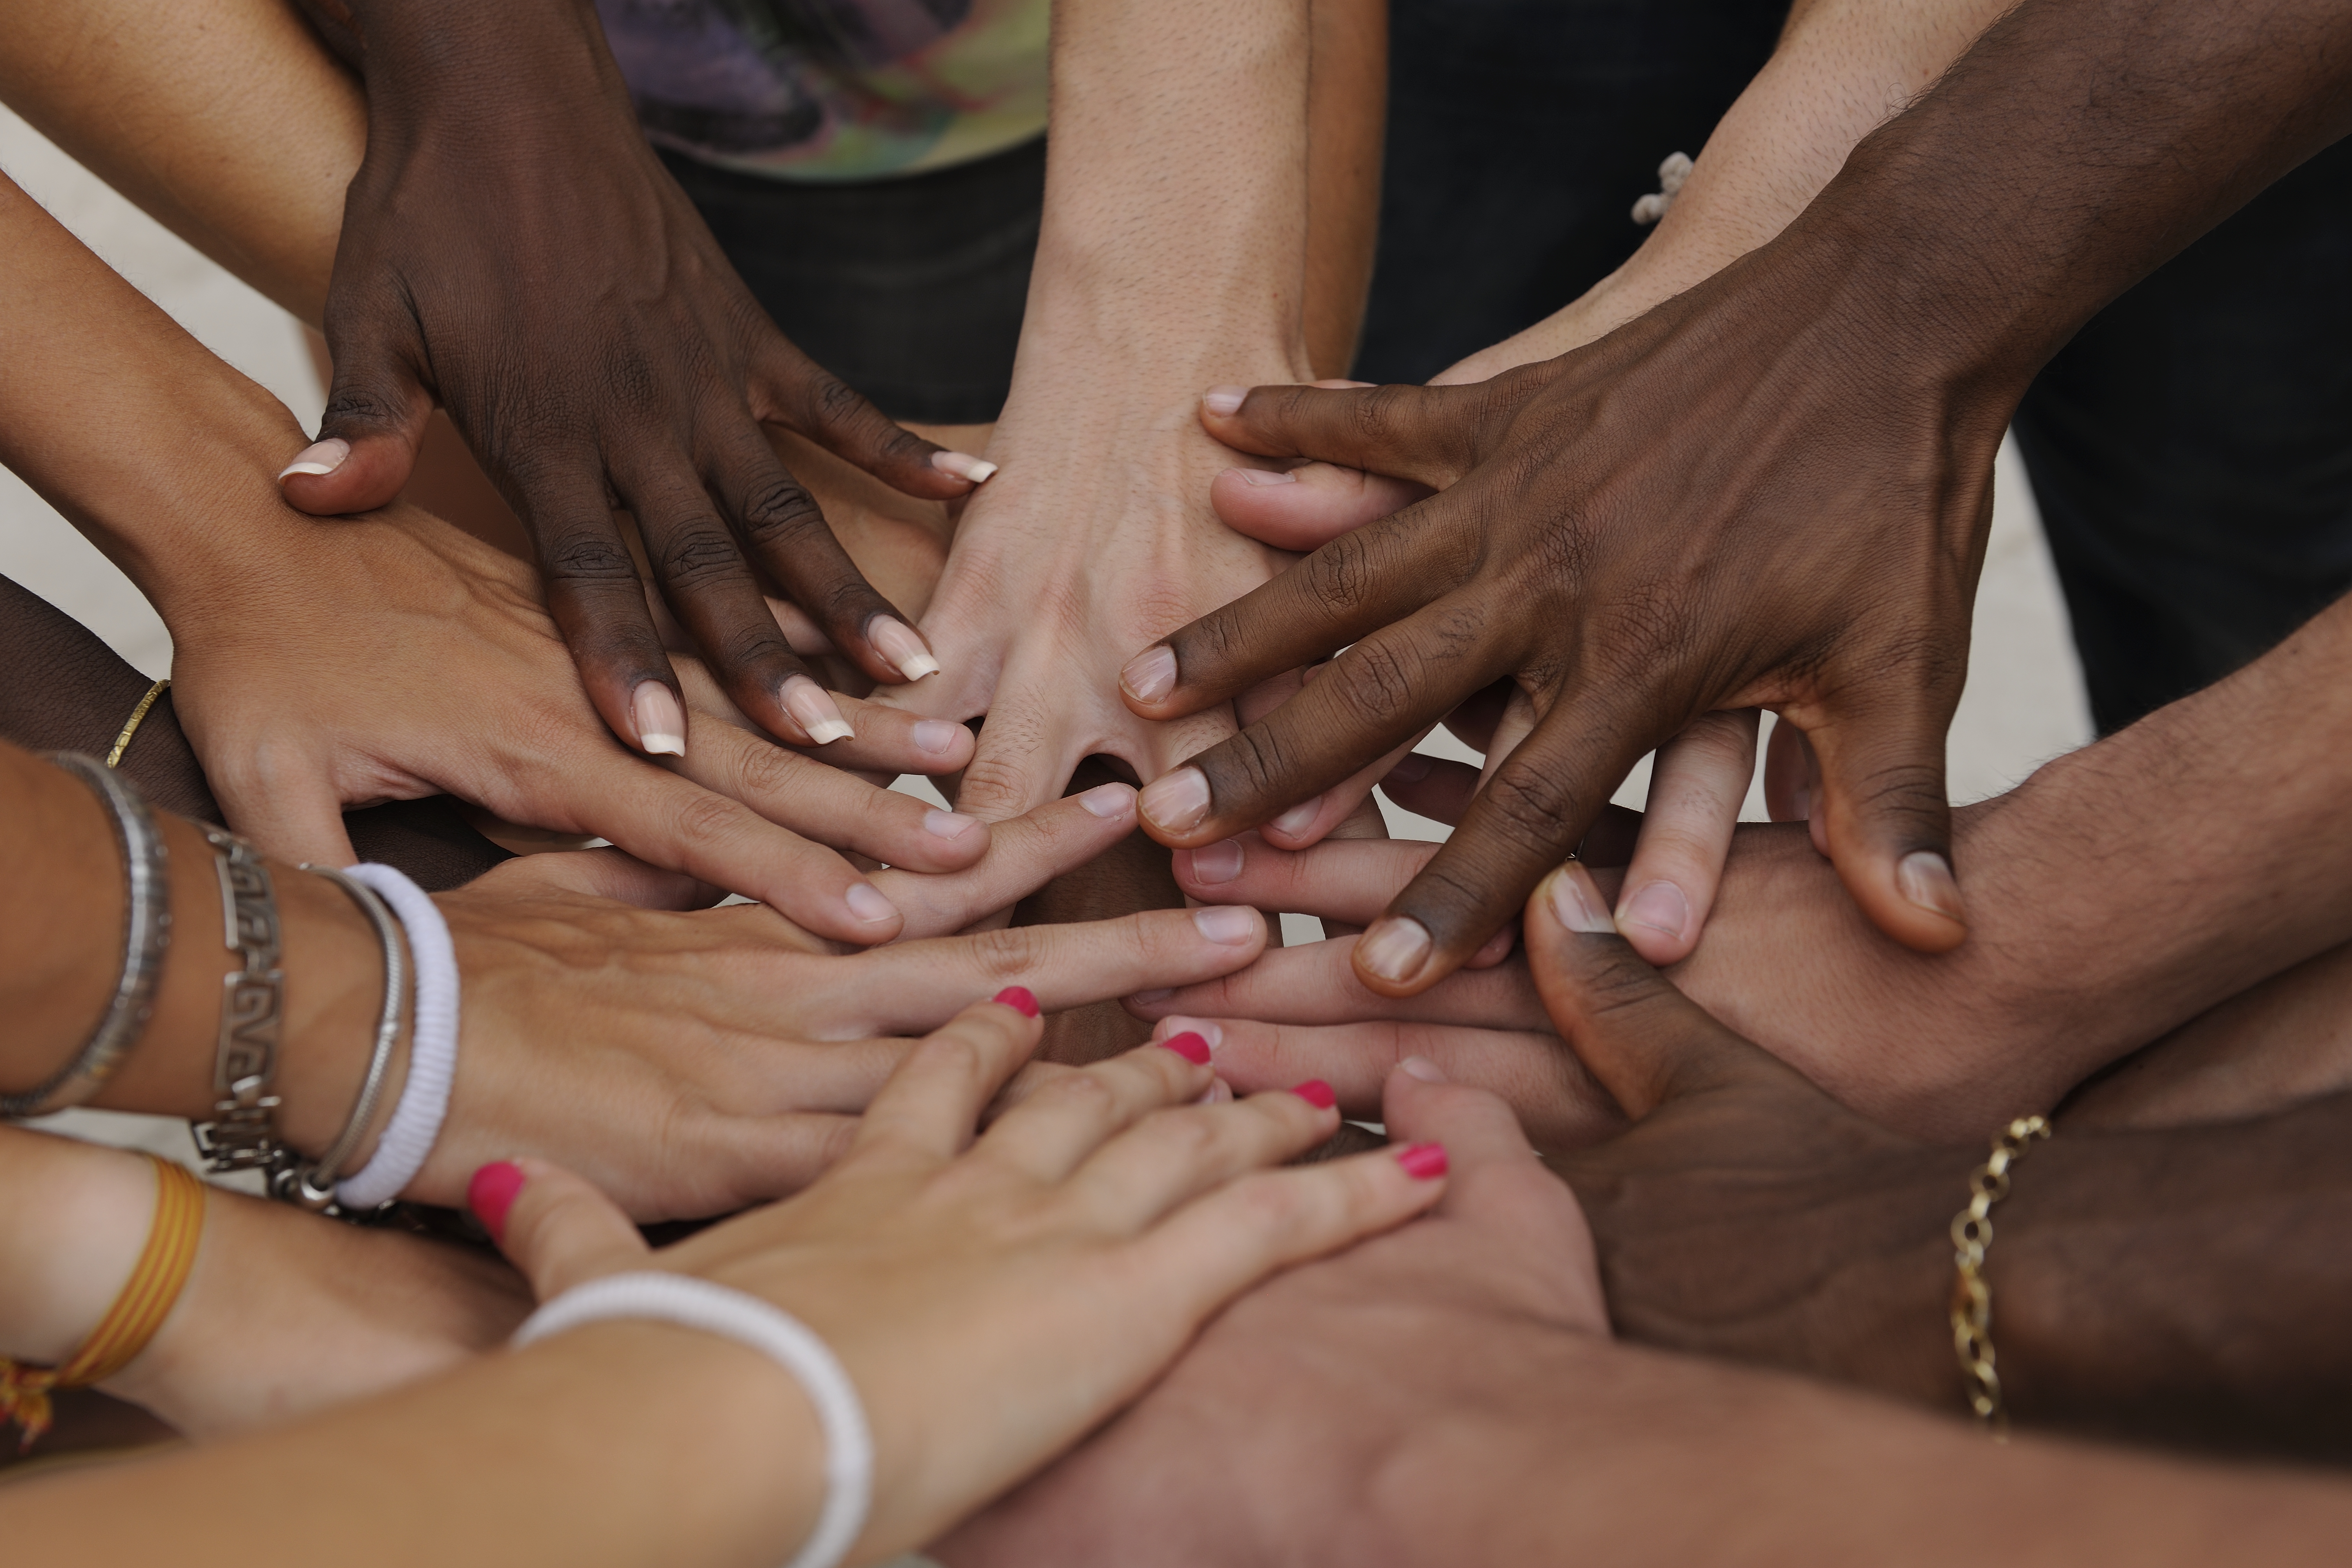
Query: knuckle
point(781, 514)
point(588, 555)
point(705, 818)
point(1009, 953)
point(1377, 682)
point(696, 554)
point(1270, 1204)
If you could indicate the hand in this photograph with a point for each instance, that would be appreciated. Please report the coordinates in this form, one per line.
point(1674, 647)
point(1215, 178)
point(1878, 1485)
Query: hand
point(1829, 579)
point(561, 298)
point(1275, 1438)
point(1065, 1256)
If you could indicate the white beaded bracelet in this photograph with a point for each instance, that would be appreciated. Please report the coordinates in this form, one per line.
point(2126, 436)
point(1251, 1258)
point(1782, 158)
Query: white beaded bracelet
point(415, 1124)
point(749, 1320)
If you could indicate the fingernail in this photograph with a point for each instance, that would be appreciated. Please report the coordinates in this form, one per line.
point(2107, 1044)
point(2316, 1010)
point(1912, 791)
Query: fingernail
point(319, 457)
point(1176, 802)
point(810, 703)
point(1317, 1093)
point(1411, 768)
point(1146, 998)
point(1298, 818)
point(1213, 863)
point(660, 721)
point(1224, 399)
point(492, 1193)
point(1422, 1068)
point(1394, 949)
point(1659, 906)
point(902, 648)
point(1192, 1047)
point(1230, 924)
point(1020, 998)
point(1207, 1028)
point(948, 824)
point(1926, 878)
point(1262, 475)
point(1577, 902)
point(1109, 802)
point(1151, 675)
point(866, 903)
point(938, 736)
point(963, 466)
point(1423, 1162)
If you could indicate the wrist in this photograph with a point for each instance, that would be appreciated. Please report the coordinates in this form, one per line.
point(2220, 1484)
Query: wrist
point(76, 1217)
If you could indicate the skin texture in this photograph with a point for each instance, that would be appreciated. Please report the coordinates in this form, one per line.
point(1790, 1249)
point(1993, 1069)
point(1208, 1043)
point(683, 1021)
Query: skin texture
point(1828, 577)
point(1076, 1247)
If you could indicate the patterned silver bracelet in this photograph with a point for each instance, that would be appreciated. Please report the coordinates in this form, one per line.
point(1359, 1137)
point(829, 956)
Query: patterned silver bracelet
point(146, 934)
point(242, 1134)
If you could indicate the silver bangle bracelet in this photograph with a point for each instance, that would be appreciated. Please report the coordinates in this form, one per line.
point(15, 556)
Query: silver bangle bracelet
point(146, 933)
point(242, 1134)
point(311, 1184)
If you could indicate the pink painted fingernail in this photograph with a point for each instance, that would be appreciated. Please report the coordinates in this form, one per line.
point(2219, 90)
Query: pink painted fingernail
point(902, 648)
point(1317, 1093)
point(1020, 998)
point(963, 466)
point(936, 736)
point(1110, 802)
point(1394, 949)
point(866, 903)
point(1230, 924)
point(948, 824)
point(812, 707)
point(1212, 863)
point(660, 719)
point(1176, 802)
point(1577, 902)
point(1192, 1047)
point(1926, 878)
point(1224, 399)
point(1660, 906)
point(492, 1193)
point(319, 457)
point(1264, 476)
point(1207, 1028)
point(1422, 1068)
point(1423, 1162)
point(1298, 818)
point(1151, 675)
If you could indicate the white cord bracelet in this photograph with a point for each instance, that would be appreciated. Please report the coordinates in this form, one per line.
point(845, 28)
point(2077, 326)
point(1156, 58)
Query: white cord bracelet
point(749, 1320)
point(415, 1124)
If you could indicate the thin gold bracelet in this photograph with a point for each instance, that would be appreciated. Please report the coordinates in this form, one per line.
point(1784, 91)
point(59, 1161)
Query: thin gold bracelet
point(130, 726)
point(1971, 1297)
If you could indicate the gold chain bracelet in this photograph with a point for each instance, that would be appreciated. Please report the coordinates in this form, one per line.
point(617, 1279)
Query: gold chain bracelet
point(1971, 1297)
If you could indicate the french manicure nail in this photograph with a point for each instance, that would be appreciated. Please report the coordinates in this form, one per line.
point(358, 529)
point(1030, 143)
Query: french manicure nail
point(963, 466)
point(902, 648)
point(660, 721)
point(1423, 1162)
point(1224, 399)
point(492, 1193)
point(866, 903)
point(1422, 1068)
point(1577, 902)
point(1926, 878)
point(1394, 949)
point(1298, 818)
point(948, 824)
point(1192, 1047)
point(1317, 1093)
point(1020, 998)
point(1213, 863)
point(1230, 924)
point(1110, 802)
point(1177, 801)
point(1659, 906)
point(813, 706)
point(1266, 475)
point(936, 736)
point(319, 457)
point(1151, 675)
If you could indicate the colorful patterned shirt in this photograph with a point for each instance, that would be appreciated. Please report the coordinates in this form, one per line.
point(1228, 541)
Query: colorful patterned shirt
point(834, 90)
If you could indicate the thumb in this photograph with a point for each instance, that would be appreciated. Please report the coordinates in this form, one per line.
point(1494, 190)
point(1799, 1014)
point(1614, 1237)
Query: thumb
point(297, 817)
point(1428, 436)
point(376, 417)
point(1645, 1041)
point(1305, 508)
point(1888, 817)
point(558, 1228)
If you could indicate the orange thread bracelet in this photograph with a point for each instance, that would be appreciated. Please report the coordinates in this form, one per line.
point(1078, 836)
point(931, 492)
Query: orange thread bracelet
point(147, 1299)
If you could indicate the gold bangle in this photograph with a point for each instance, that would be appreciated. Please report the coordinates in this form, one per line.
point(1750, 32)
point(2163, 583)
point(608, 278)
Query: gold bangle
point(130, 726)
point(1971, 1297)
point(145, 1301)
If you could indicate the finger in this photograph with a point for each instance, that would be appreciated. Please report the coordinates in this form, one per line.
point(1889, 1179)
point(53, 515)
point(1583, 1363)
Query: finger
point(1305, 507)
point(555, 1228)
point(1177, 1154)
point(1312, 820)
point(1026, 754)
point(802, 396)
point(1696, 787)
point(1343, 880)
point(598, 601)
point(1435, 787)
point(1474, 721)
point(834, 807)
point(912, 984)
point(1426, 435)
point(895, 741)
point(375, 415)
point(287, 804)
point(1792, 783)
point(1642, 1039)
point(1023, 854)
point(930, 1106)
point(1065, 1118)
point(1889, 818)
point(600, 874)
point(1316, 982)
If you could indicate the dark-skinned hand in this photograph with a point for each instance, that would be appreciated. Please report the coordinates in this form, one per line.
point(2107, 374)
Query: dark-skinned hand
point(512, 247)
